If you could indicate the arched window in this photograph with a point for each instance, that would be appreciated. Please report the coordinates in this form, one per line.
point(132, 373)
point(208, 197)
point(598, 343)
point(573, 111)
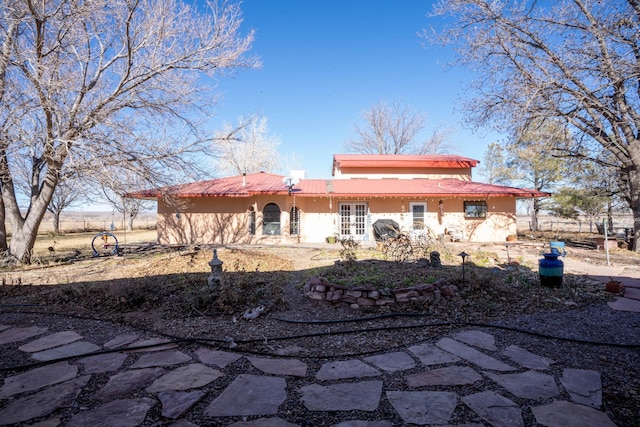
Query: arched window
point(252, 221)
point(271, 220)
point(294, 221)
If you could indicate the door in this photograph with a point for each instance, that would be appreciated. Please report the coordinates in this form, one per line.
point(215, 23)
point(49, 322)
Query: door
point(353, 220)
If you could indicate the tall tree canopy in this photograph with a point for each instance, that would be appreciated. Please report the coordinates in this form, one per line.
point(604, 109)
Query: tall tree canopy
point(395, 129)
point(247, 147)
point(575, 61)
point(100, 86)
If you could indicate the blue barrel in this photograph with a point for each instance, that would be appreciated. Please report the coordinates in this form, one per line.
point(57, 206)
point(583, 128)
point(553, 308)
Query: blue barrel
point(551, 270)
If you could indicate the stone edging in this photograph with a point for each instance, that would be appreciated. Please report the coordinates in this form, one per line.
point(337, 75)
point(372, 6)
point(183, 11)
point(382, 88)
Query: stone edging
point(320, 289)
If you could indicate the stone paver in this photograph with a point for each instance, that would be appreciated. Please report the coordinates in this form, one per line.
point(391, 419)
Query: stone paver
point(476, 339)
point(216, 358)
point(450, 375)
point(423, 407)
point(584, 386)
point(42, 402)
point(185, 378)
point(151, 344)
point(563, 414)
point(495, 409)
point(102, 363)
point(118, 413)
point(362, 396)
point(20, 334)
point(161, 358)
point(527, 359)
point(392, 362)
point(77, 348)
point(249, 395)
point(176, 403)
point(346, 369)
point(49, 341)
point(291, 367)
point(429, 355)
point(38, 378)
point(362, 423)
point(121, 341)
point(264, 422)
point(625, 304)
point(125, 382)
point(472, 355)
point(527, 385)
point(176, 381)
point(633, 293)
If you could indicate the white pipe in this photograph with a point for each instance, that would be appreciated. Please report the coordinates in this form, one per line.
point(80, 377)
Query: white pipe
point(606, 241)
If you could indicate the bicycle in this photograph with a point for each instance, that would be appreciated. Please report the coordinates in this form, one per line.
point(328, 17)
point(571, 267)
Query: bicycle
point(107, 244)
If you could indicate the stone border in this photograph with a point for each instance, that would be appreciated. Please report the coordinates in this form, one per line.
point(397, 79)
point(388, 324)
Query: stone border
point(320, 289)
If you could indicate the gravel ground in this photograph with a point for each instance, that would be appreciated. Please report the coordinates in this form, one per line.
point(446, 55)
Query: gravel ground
point(591, 337)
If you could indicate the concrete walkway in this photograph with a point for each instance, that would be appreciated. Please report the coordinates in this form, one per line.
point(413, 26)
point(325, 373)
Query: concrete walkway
point(164, 385)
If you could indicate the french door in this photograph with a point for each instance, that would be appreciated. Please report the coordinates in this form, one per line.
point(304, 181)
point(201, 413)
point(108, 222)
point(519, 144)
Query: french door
point(353, 219)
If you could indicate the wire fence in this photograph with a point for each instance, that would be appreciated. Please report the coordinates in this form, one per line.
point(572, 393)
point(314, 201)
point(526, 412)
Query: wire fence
point(581, 225)
point(85, 225)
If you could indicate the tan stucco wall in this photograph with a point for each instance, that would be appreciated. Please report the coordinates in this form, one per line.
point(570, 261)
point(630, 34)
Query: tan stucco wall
point(408, 173)
point(225, 220)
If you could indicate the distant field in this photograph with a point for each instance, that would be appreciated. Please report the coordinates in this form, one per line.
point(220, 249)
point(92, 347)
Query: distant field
point(74, 222)
point(80, 243)
point(582, 225)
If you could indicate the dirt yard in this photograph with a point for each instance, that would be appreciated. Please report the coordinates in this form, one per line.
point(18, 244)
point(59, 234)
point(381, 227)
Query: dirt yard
point(165, 290)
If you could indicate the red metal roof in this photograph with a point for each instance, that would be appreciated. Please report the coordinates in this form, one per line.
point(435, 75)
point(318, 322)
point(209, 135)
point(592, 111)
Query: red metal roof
point(417, 187)
point(234, 186)
point(342, 161)
point(265, 183)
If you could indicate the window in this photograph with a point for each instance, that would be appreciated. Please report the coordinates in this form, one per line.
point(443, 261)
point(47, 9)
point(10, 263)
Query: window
point(294, 221)
point(418, 213)
point(476, 209)
point(252, 221)
point(271, 220)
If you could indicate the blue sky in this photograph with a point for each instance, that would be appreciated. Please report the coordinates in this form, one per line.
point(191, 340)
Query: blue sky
point(325, 62)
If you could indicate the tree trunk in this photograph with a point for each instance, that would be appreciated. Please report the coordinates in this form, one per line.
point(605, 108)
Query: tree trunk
point(634, 203)
point(610, 217)
point(3, 229)
point(534, 215)
point(56, 223)
point(25, 230)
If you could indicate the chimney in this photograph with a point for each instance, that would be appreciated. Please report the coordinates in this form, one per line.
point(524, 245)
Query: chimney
point(244, 179)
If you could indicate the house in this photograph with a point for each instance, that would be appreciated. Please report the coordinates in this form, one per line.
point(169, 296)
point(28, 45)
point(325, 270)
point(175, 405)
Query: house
point(421, 193)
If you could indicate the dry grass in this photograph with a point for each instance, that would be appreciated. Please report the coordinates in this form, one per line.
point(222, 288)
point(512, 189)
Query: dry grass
point(66, 245)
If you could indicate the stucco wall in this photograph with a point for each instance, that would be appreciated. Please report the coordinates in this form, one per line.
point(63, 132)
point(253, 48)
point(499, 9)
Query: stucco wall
point(226, 220)
point(406, 173)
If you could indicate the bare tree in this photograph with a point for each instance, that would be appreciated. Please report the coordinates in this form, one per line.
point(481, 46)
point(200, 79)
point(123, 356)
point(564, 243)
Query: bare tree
point(115, 190)
point(438, 141)
point(575, 61)
point(247, 147)
point(90, 86)
point(494, 167)
point(65, 196)
point(395, 129)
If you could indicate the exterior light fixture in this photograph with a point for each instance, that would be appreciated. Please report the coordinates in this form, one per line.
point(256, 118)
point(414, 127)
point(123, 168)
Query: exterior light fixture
point(464, 255)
